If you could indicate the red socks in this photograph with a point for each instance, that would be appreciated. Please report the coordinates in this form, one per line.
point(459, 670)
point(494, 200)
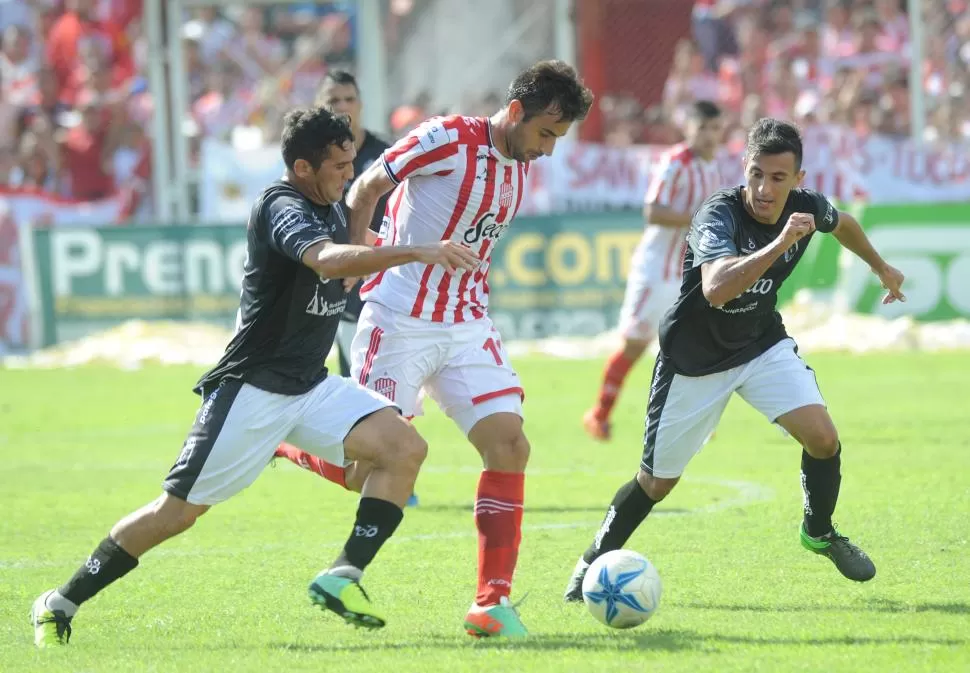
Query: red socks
point(617, 367)
point(337, 475)
point(498, 517)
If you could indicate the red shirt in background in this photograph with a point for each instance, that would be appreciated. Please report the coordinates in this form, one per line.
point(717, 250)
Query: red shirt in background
point(82, 159)
point(63, 42)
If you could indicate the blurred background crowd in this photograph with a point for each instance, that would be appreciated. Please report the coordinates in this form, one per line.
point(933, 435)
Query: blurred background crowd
point(840, 62)
point(75, 107)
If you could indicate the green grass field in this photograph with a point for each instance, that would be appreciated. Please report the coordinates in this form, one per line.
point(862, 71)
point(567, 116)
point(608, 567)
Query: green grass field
point(82, 447)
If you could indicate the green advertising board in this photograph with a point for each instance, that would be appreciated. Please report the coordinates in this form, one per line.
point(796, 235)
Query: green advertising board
point(550, 276)
point(91, 279)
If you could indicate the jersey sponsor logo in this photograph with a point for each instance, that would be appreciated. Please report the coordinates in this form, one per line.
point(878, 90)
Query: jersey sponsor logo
point(740, 309)
point(385, 228)
point(320, 306)
point(482, 167)
point(761, 286)
point(385, 386)
point(829, 214)
point(791, 252)
point(751, 244)
point(433, 136)
point(486, 227)
point(289, 222)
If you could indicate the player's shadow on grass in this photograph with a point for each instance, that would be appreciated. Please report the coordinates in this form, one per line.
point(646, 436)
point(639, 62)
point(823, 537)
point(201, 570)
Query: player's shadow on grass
point(672, 640)
point(872, 605)
point(608, 641)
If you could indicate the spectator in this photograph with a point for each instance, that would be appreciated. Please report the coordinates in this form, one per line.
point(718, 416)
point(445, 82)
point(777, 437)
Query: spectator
point(87, 168)
point(79, 32)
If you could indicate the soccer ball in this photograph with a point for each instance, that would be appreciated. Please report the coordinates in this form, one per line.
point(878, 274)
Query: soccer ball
point(622, 589)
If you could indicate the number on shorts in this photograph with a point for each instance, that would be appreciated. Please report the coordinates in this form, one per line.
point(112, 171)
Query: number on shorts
point(494, 347)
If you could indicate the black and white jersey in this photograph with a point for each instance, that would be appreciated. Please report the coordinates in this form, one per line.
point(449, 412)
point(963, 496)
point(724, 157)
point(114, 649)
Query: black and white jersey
point(369, 152)
point(288, 315)
point(700, 339)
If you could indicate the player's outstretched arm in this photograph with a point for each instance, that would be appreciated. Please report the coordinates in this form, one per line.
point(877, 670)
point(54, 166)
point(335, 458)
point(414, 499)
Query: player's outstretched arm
point(362, 199)
point(335, 260)
point(851, 236)
point(725, 278)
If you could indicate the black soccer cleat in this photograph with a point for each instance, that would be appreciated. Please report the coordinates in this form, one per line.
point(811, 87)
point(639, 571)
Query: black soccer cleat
point(851, 561)
point(574, 590)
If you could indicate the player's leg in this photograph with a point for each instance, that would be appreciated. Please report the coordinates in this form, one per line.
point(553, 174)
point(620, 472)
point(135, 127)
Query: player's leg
point(681, 413)
point(645, 300)
point(783, 387)
point(383, 360)
point(346, 329)
point(345, 422)
point(230, 443)
point(480, 391)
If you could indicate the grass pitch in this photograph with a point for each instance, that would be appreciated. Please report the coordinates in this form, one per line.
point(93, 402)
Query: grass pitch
point(80, 448)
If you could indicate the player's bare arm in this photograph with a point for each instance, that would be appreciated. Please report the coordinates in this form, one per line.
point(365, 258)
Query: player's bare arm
point(665, 216)
point(850, 234)
point(334, 260)
point(729, 277)
point(362, 199)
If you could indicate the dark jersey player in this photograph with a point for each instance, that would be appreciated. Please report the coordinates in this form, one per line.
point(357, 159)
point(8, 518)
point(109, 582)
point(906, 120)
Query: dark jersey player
point(725, 335)
point(271, 384)
point(340, 94)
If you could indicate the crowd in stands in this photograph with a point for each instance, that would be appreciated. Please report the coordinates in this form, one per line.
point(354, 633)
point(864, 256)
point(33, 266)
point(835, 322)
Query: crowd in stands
point(814, 61)
point(75, 107)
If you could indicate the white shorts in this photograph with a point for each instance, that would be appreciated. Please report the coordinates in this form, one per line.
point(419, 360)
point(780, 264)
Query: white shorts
point(647, 297)
point(463, 367)
point(684, 410)
point(239, 426)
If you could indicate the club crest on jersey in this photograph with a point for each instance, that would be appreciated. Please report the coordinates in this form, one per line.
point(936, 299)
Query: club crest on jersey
point(505, 195)
point(386, 387)
point(486, 227)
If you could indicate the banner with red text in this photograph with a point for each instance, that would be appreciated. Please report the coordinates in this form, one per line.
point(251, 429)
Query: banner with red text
point(583, 177)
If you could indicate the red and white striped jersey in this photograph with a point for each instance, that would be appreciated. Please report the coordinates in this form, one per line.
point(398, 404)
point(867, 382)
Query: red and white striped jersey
point(682, 182)
point(453, 184)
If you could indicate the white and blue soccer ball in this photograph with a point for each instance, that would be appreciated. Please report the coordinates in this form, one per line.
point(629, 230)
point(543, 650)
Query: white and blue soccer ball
point(622, 589)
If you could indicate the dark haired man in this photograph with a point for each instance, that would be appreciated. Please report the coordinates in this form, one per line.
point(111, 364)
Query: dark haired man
point(340, 94)
point(725, 335)
point(687, 174)
point(461, 179)
point(271, 384)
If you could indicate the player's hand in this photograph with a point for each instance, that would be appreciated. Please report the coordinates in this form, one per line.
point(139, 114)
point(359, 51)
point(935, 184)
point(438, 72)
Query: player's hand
point(891, 279)
point(448, 254)
point(798, 227)
point(350, 282)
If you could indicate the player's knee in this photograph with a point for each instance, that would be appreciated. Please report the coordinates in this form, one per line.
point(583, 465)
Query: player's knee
point(409, 449)
point(508, 453)
point(821, 441)
point(174, 516)
point(656, 488)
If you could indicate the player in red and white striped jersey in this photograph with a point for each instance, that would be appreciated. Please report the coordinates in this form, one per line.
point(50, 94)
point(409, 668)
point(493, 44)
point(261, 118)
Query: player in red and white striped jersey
point(460, 179)
point(686, 176)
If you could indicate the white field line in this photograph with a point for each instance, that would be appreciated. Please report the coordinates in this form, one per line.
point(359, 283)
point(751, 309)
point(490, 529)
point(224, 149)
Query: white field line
point(745, 493)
